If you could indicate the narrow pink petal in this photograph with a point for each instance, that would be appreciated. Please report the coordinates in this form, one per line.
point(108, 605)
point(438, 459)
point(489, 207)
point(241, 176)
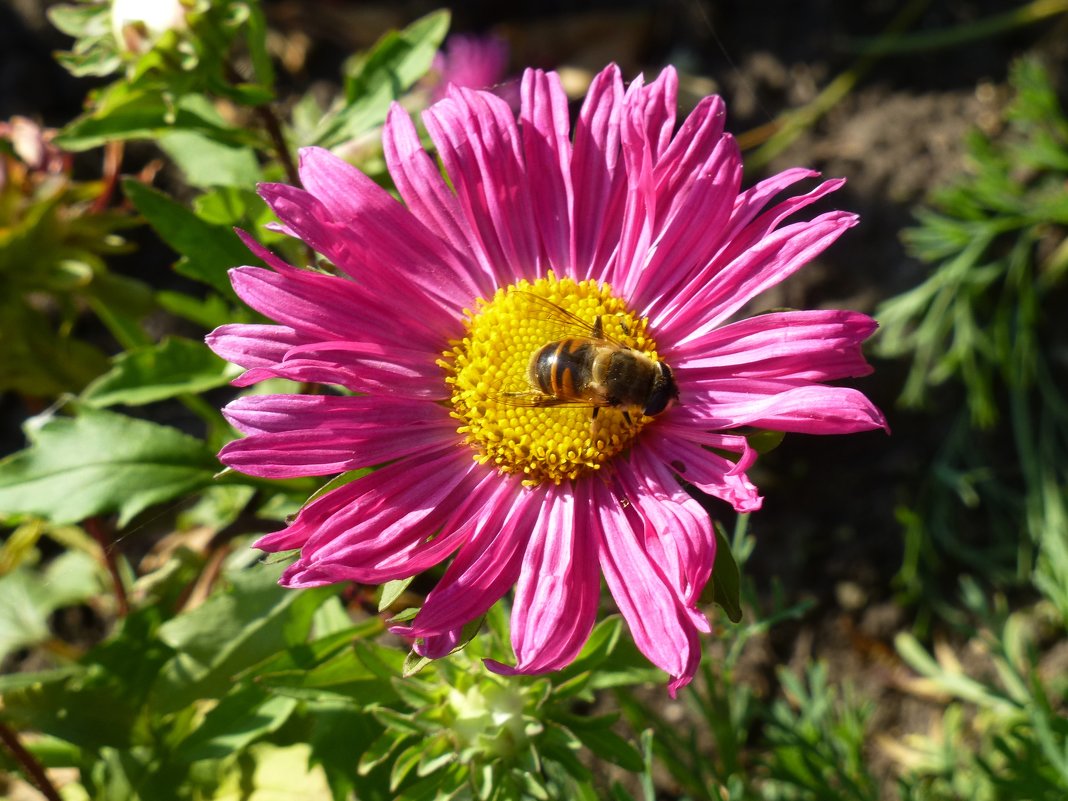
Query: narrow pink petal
point(681, 249)
point(639, 212)
point(478, 141)
point(314, 435)
point(652, 108)
point(769, 262)
point(328, 307)
point(662, 628)
point(429, 198)
point(710, 472)
point(678, 532)
point(392, 240)
point(806, 345)
point(691, 147)
point(491, 491)
point(597, 175)
point(352, 531)
point(484, 567)
point(369, 367)
point(361, 255)
point(545, 127)
point(803, 409)
point(559, 585)
point(740, 235)
point(692, 429)
point(272, 414)
point(254, 345)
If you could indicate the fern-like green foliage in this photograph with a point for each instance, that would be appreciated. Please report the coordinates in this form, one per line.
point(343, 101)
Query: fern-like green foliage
point(988, 321)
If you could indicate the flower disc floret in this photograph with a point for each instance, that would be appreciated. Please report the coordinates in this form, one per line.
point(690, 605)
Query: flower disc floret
point(505, 419)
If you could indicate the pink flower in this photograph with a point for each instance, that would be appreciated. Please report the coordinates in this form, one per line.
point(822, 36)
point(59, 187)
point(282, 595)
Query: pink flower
point(439, 305)
point(474, 62)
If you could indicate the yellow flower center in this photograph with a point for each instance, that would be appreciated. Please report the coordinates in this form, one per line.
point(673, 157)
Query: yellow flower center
point(511, 421)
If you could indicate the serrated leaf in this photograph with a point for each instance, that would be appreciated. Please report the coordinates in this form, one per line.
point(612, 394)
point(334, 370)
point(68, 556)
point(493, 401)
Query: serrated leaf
point(208, 250)
point(98, 463)
point(396, 61)
point(154, 373)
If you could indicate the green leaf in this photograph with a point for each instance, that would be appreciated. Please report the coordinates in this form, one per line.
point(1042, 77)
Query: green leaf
point(122, 111)
point(596, 734)
point(18, 681)
point(240, 718)
point(146, 375)
point(274, 774)
point(724, 587)
point(396, 61)
point(28, 598)
point(207, 162)
point(208, 250)
point(231, 631)
point(98, 463)
point(391, 591)
point(209, 312)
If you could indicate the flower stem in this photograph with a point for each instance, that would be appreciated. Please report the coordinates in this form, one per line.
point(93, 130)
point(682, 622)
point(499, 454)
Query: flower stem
point(96, 530)
point(33, 769)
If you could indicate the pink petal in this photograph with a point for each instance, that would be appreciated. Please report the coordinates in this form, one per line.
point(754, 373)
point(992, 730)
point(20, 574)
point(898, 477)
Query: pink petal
point(596, 176)
point(351, 532)
point(368, 367)
point(769, 262)
point(559, 585)
point(710, 472)
point(677, 531)
point(662, 628)
point(254, 345)
point(478, 142)
point(681, 248)
point(314, 435)
point(804, 409)
point(392, 240)
point(806, 345)
point(546, 127)
point(484, 568)
point(429, 198)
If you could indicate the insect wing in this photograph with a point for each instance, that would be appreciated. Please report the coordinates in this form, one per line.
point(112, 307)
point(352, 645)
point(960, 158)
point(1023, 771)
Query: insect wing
point(569, 325)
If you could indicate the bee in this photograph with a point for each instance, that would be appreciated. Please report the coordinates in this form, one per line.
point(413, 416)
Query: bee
point(591, 368)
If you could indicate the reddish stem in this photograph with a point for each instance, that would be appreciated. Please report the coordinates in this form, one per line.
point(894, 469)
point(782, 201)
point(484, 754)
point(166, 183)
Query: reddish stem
point(96, 529)
point(33, 769)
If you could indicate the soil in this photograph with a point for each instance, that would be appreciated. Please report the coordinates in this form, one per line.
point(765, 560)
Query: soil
point(828, 530)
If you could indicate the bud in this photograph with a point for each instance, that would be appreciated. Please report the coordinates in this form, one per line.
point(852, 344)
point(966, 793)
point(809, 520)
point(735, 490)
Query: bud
point(138, 24)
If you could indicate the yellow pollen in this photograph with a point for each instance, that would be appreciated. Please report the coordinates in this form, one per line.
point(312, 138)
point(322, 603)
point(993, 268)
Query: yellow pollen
point(512, 424)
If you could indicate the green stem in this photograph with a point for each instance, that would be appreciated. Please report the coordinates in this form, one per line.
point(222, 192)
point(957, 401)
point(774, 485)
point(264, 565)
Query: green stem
point(781, 133)
point(1036, 11)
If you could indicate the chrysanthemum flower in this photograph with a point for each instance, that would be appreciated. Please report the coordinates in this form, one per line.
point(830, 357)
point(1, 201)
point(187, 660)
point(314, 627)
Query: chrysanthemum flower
point(474, 62)
point(430, 318)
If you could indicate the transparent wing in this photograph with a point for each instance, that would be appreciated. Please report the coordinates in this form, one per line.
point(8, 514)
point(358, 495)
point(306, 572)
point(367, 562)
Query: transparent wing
point(570, 325)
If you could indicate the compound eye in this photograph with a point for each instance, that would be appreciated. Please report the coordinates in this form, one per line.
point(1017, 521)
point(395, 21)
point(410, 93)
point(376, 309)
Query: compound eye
point(660, 400)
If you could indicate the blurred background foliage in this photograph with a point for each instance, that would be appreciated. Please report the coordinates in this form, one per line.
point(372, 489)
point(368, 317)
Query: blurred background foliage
point(903, 601)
